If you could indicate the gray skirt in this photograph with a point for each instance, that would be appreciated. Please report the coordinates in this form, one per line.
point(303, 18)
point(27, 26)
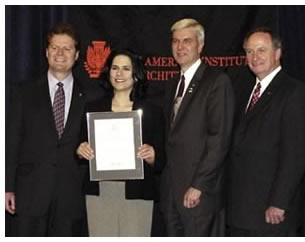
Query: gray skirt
point(111, 214)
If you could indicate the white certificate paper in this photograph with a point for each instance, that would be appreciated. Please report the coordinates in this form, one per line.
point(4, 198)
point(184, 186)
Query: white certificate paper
point(115, 138)
point(114, 143)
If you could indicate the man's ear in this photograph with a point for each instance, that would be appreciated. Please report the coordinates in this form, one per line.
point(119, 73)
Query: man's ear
point(200, 48)
point(76, 55)
point(278, 54)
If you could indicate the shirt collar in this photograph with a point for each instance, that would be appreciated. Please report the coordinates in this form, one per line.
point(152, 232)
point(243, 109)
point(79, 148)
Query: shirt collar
point(53, 80)
point(190, 72)
point(267, 79)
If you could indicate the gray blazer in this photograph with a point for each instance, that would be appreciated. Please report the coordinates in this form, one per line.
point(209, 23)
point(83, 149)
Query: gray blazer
point(198, 140)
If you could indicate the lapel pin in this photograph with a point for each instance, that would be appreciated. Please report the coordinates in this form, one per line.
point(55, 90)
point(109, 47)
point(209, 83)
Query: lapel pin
point(190, 89)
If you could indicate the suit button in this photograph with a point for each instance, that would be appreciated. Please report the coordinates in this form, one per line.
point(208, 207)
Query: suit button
point(58, 145)
point(54, 164)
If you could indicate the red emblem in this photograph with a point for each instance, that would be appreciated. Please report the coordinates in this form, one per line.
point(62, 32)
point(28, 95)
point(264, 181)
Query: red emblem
point(96, 58)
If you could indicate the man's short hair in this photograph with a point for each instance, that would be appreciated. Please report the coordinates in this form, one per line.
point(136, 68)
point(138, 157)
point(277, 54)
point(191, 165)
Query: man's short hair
point(190, 23)
point(276, 40)
point(64, 28)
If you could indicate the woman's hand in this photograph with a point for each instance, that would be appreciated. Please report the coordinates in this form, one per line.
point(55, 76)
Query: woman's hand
point(85, 151)
point(147, 153)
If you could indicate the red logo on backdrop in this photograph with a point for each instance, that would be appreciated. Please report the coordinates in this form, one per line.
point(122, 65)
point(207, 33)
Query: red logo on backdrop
point(96, 57)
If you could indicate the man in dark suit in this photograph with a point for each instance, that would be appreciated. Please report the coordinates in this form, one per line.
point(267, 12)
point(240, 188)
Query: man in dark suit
point(43, 177)
point(266, 175)
point(199, 114)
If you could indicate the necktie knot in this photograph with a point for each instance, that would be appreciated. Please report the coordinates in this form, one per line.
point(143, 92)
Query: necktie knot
point(60, 85)
point(258, 86)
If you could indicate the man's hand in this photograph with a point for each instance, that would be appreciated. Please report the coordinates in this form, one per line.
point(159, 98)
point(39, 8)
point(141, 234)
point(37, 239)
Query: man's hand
point(10, 205)
point(191, 197)
point(274, 215)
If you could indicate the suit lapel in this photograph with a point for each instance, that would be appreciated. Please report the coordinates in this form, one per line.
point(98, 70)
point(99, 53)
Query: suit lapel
point(266, 97)
point(46, 104)
point(76, 106)
point(171, 99)
point(191, 90)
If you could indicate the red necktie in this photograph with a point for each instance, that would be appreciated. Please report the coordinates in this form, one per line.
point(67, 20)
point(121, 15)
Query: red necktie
point(59, 109)
point(255, 96)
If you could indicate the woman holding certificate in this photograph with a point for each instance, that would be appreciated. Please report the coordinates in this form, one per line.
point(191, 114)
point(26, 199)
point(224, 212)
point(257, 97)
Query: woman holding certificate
point(125, 208)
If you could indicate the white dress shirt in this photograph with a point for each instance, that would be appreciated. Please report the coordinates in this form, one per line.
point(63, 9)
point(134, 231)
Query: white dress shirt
point(188, 75)
point(264, 83)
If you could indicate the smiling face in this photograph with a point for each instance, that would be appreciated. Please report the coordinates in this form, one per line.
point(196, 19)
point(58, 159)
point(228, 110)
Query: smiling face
point(262, 57)
point(61, 54)
point(121, 74)
point(185, 47)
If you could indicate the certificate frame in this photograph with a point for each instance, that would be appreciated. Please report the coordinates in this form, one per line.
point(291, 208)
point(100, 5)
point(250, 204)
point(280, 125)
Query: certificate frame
point(105, 125)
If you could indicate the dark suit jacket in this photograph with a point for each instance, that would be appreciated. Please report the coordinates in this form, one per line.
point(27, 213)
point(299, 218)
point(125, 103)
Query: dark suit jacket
point(198, 141)
point(152, 134)
point(268, 159)
point(39, 167)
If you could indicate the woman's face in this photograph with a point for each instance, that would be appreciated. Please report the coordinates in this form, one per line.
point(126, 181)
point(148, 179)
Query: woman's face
point(121, 73)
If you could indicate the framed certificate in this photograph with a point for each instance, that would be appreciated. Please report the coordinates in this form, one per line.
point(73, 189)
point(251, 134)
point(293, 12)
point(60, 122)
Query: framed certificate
point(115, 138)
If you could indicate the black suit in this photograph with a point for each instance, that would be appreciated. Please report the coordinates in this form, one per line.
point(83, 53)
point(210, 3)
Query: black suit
point(41, 169)
point(197, 144)
point(268, 158)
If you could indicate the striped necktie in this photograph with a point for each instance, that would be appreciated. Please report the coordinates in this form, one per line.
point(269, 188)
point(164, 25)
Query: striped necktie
point(59, 108)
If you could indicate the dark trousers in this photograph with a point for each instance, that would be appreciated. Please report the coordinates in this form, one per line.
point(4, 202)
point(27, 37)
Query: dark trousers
point(8, 224)
point(178, 225)
point(158, 226)
point(239, 232)
point(52, 224)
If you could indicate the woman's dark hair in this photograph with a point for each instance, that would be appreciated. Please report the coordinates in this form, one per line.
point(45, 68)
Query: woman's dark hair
point(138, 74)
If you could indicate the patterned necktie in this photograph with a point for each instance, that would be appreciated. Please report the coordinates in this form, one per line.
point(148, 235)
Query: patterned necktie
point(255, 96)
point(59, 109)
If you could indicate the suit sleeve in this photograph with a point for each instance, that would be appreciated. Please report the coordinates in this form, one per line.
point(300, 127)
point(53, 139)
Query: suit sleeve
point(13, 137)
point(159, 127)
point(291, 166)
point(84, 129)
point(220, 112)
